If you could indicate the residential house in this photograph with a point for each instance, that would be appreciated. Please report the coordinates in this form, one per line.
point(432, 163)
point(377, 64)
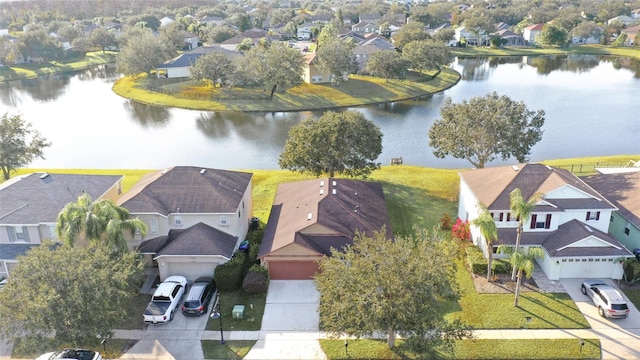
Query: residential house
point(593, 38)
point(471, 38)
point(631, 33)
point(309, 218)
point(254, 34)
point(371, 18)
point(635, 14)
point(196, 217)
point(368, 46)
point(569, 222)
point(622, 19)
point(212, 20)
point(623, 190)
point(364, 27)
point(30, 204)
point(167, 20)
point(311, 74)
point(530, 33)
point(180, 66)
point(191, 40)
point(305, 30)
point(511, 38)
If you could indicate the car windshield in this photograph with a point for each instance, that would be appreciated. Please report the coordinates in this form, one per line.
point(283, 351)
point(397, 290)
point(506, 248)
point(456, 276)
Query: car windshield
point(191, 304)
point(75, 354)
point(619, 306)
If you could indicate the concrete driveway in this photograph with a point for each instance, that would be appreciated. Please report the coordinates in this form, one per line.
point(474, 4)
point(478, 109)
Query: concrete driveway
point(620, 338)
point(290, 324)
point(179, 339)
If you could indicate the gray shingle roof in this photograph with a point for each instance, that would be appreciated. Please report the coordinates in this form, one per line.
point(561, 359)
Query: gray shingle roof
point(557, 243)
point(12, 251)
point(200, 239)
point(188, 189)
point(35, 198)
point(623, 190)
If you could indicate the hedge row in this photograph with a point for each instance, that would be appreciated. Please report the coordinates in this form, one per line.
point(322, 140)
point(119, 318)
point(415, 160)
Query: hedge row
point(478, 264)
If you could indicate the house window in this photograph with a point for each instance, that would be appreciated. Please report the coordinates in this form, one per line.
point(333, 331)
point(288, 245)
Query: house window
point(501, 217)
point(570, 260)
point(224, 220)
point(18, 233)
point(593, 215)
point(611, 218)
point(177, 220)
point(494, 249)
point(564, 260)
point(52, 232)
point(626, 228)
point(153, 226)
point(508, 216)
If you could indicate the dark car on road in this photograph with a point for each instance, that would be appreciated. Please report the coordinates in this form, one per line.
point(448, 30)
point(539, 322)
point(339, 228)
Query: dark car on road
point(198, 297)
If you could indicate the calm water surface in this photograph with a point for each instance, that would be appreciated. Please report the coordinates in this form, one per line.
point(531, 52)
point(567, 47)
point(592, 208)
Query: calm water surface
point(591, 107)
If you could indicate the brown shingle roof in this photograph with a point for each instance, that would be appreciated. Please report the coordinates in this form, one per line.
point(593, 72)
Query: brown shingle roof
point(321, 213)
point(189, 189)
point(623, 190)
point(493, 185)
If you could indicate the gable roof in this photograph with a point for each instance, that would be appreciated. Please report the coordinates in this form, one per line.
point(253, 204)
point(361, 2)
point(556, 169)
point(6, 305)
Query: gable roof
point(321, 213)
point(493, 185)
point(39, 197)
point(623, 190)
point(199, 239)
point(566, 240)
point(187, 189)
point(535, 27)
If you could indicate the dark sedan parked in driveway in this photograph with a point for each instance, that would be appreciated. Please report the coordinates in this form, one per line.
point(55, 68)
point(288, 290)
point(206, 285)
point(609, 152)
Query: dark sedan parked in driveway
point(198, 297)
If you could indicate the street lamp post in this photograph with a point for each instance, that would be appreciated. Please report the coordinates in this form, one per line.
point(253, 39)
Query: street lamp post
point(216, 313)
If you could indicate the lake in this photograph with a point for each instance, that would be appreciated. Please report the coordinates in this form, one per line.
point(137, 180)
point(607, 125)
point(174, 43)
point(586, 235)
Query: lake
point(591, 106)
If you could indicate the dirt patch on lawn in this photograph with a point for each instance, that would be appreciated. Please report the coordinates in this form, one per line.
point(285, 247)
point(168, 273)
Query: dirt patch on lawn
point(501, 284)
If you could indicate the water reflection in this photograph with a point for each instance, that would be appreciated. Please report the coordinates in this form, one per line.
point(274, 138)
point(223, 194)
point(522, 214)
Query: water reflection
point(148, 115)
point(570, 91)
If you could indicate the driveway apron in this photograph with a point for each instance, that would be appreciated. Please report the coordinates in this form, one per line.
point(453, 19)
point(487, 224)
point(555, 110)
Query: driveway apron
point(290, 324)
point(619, 338)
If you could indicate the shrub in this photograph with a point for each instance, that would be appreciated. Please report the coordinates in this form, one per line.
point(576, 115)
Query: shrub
point(500, 266)
point(460, 230)
point(228, 276)
point(475, 260)
point(256, 281)
point(445, 222)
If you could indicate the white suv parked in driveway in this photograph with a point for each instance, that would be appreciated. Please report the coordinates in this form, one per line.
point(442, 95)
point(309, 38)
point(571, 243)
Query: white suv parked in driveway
point(606, 298)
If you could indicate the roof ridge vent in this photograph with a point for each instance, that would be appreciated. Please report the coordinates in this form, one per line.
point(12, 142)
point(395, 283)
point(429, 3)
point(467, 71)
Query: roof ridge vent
point(589, 229)
point(202, 171)
point(44, 175)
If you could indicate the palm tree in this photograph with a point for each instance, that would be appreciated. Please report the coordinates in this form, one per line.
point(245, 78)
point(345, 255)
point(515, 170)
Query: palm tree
point(86, 221)
point(522, 211)
point(523, 263)
point(489, 232)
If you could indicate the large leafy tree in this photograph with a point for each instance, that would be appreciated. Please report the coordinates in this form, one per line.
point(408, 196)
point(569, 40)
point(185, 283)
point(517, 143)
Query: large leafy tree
point(276, 68)
point(103, 38)
point(19, 144)
point(337, 143)
point(413, 31)
point(102, 221)
point(213, 68)
point(426, 54)
point(398, 287)
point(78, 294)
point(36, 43)
point(521, 210)
point(489, 232)
point(523, 263)
point(142, 52)
point(482, 128)
point(336, 57)
point(387, 64)
point(553, 35)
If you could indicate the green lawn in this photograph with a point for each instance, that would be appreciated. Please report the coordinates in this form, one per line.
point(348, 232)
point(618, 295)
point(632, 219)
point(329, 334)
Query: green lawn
point(633, 52)
point(253, 310)
point(234, 349)
point(469, 349)
point(30, 71)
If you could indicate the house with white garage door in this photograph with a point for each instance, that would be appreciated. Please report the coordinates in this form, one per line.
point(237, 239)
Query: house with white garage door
point(570, 222)
point(309, 218)
point(196, 217)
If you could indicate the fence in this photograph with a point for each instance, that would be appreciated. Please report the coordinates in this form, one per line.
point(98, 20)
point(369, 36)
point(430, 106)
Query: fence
point(590, 169)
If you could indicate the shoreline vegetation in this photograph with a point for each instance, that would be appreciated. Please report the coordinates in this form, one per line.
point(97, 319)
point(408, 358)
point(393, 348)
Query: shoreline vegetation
point(358, 91)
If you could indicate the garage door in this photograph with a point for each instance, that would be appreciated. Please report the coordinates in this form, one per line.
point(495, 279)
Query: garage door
point(191, 270)
point(587, 269)
point(292, 270)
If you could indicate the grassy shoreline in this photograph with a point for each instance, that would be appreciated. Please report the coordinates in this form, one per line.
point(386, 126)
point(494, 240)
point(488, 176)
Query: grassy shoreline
point(32, 71)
